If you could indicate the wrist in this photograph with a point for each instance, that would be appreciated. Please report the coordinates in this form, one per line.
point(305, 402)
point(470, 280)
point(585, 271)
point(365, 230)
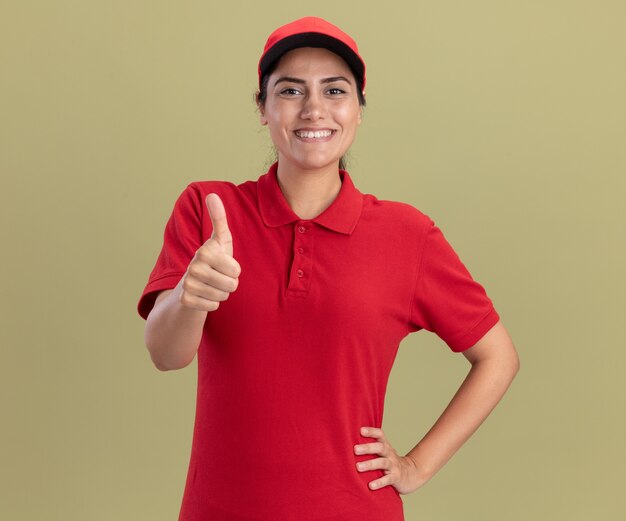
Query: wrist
point(424, 469)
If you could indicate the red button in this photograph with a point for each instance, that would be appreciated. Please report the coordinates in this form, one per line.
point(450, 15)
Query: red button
point(300, 273)
point(300, 250)
point(302, 229)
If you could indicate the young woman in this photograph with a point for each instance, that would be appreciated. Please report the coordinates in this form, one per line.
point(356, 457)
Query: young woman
point(294, 291)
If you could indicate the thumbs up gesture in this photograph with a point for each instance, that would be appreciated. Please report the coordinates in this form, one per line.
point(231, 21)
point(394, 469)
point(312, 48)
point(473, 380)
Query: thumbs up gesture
point(213, 273)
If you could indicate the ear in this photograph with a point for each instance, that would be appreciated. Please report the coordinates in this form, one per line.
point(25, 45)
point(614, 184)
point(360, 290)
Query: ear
point(262, 118)
point(360, 115)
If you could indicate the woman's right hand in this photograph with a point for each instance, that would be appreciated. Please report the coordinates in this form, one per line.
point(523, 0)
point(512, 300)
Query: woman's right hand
point(213, 273)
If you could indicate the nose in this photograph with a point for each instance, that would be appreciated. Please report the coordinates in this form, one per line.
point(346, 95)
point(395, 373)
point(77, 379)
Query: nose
point(313, 107)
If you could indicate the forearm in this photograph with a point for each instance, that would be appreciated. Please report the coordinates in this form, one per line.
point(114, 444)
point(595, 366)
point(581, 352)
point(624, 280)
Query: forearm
point(480, 392)
point(173, 332)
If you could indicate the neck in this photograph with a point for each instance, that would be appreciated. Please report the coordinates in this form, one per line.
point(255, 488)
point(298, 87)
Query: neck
point(309, 192)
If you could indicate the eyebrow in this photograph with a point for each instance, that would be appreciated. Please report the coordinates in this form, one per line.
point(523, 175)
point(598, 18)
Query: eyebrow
point(291, 79)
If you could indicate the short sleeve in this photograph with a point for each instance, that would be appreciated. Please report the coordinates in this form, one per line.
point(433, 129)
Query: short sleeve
point(181, 240)
point(446, 299)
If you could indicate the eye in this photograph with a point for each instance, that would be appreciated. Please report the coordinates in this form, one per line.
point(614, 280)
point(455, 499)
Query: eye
point(290, 91)
point(336, 90)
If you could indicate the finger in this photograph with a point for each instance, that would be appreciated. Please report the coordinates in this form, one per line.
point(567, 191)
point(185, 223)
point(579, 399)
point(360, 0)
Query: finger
point(218, 259)
point(373, 464)
point(202, 275)
point(380, 482)
point(372, 432)
point(199, 303)
point(226, 265)
point(199, 289)
point(370, 448)
point(222, 282)
point(217, 213)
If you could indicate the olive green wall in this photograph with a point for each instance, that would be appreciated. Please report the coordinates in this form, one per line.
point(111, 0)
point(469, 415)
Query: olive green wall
point(504, 121)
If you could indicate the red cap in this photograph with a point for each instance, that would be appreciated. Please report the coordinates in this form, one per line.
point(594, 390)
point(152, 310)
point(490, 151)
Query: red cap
point(311, 32)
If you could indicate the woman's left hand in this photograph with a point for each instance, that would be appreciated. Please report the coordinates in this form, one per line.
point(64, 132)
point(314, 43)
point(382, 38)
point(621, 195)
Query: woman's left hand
point(401, 471)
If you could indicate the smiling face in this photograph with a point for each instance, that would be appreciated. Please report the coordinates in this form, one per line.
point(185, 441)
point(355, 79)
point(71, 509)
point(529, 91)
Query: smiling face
point(311, 109)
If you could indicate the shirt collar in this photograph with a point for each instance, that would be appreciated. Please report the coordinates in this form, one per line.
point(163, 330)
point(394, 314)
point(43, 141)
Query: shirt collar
point(341, 216)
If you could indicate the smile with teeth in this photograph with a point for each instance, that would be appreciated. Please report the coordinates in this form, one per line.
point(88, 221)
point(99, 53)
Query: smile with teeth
point(314, 134)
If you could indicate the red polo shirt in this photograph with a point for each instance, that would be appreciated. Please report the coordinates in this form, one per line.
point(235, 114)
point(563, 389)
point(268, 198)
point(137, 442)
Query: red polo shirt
point(298, 358)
